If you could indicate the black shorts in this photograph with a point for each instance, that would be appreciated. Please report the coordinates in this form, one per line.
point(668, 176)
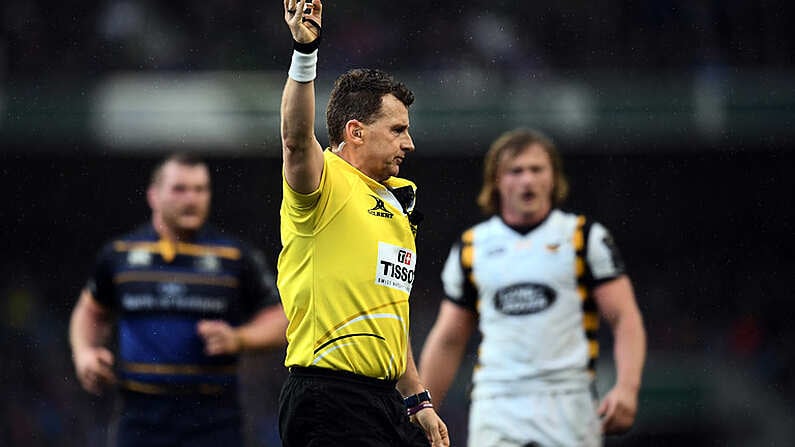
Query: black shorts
point(323, 408)
point(178, 420)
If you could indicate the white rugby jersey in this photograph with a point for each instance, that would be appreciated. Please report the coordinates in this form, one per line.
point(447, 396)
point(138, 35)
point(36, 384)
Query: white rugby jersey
point(537, 318)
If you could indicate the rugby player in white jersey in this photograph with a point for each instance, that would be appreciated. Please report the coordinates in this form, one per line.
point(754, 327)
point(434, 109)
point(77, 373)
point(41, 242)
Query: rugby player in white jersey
point(536, 281)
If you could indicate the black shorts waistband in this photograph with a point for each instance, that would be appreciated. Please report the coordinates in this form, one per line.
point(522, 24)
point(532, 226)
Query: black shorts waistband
point(325, 373)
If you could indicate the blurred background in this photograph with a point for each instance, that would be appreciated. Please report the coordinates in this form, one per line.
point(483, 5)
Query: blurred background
point(676, 120)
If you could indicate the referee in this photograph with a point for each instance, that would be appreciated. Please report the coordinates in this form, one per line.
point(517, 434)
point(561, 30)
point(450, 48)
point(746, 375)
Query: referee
point(346, 268)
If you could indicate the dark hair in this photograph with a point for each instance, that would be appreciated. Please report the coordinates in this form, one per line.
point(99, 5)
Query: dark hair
point(180, 158)
point(357, 95)
point(510, 144)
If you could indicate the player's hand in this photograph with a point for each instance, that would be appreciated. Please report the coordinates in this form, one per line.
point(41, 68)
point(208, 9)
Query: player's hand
point(435, 429)
point(219, 337)
point(94, 369)
point(618, 410)
point(304, 19)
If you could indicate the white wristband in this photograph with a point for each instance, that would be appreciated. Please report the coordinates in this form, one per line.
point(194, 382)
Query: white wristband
point(303, 67)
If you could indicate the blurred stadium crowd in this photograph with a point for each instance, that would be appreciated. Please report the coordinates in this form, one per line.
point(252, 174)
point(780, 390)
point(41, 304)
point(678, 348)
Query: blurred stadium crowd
point(92, 37)
point(710, 235)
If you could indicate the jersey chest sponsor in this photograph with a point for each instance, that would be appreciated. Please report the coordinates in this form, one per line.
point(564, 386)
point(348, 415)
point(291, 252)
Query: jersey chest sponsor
point(175, 290)
point(395, 267)
point(524, 299)
point(143, 302)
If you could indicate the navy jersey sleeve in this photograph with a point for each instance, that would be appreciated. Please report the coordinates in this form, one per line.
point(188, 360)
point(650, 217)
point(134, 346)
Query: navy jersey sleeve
point(100, 283)
point(257, 281)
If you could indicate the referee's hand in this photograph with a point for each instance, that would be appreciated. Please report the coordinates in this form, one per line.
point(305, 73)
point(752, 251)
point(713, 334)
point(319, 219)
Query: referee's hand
point(304, 19)
point(435, 429)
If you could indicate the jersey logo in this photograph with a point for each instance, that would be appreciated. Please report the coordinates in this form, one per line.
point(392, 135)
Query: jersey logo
point(208, 263)
point(523, 299)
point(380, 209)
point(553, 248)
point(495, 251)
point(395, 267)
point(139, 258)
point(172, 289)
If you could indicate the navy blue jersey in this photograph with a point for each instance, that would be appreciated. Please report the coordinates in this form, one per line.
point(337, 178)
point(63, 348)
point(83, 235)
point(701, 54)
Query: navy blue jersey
point(160, 290)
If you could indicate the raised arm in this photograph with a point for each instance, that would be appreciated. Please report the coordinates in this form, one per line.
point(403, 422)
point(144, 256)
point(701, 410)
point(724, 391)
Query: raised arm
point(302, 153)
point(616, 302)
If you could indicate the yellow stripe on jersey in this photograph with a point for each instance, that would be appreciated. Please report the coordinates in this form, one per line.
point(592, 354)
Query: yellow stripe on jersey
point(590, 317)
point(579, 238)
point(168, 250)
point(577, 242)
point(471, 278)
point(150, 388)
point(467, 256)
point(582, 291)
point(579, 266)
point(593, 348)
point(468, 237)
point(162, 368)
point(590, 321)
point(467, 259)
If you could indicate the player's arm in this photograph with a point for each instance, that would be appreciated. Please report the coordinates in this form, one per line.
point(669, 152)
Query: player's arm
point(259, 297)
point(267, 329)
point(427, 418)
point(264, 331)
point(302, 153)
point(616, 302)
point(444, 348)
point(89, 329)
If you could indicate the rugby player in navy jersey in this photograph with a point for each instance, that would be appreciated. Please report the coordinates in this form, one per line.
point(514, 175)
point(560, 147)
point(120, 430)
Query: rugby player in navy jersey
point(184, 299)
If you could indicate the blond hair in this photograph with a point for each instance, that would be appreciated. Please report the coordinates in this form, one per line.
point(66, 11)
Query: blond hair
point(509, 145)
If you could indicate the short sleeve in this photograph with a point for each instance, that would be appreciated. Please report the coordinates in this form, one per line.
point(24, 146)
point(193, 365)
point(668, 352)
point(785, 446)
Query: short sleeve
point(258, 282)
point(604, 258)
point(302, 203)
point(303, 212)
point(100, 283)
point(456, 282)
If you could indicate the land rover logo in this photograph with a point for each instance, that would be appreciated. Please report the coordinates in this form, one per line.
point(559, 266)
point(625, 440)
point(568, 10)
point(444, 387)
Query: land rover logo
point(523, 299)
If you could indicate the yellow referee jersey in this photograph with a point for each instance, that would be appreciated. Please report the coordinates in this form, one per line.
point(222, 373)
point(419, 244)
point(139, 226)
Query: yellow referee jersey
point(345, 272)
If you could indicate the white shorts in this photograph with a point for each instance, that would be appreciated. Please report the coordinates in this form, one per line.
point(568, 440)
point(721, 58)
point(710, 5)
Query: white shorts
point(544, 419)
